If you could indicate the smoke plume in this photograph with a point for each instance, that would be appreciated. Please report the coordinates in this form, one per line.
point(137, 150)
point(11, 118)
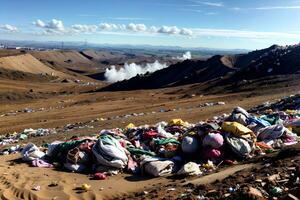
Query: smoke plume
point(131, 70)
point(186, 56)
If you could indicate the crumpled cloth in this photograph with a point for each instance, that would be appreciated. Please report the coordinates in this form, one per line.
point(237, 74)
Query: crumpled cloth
point(108, 151)
point(236, 129)
point(41, 163)
point(214, 140)
point(31, 152)
point(157, 167)
point(271, 132)
point(240, 146)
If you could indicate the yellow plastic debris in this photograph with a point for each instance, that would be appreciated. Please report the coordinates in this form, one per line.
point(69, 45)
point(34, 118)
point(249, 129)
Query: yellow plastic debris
point(130, 125)
point(85, 186)
point(291, 112)
point(209, 165)
point(177, 122)
point(236, 128)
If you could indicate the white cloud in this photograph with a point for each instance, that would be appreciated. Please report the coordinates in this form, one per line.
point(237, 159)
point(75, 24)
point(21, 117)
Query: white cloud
point(9, 28)
point(57, 27)
point(219, 4)
point(82, 28)
point(185, 31)
point(143, 29)
point(153, 29)
point(209, 3)
point(108, 26)
point(53, 26)
point(136, 27)
point(169, 30)
point(39, 23)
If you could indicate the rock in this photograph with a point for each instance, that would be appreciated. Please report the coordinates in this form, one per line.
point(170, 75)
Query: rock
point(171, 189)
point(145, 192)
point(227, 195)
point(291, 168)
point(292, 197)
point(200, 197)
point(212, 193)
point(273, 178)
point(253, 192)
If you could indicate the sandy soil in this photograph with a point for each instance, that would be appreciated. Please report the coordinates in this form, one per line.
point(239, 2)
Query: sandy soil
point(27, 63)
point(18, 180)
point(71, 103)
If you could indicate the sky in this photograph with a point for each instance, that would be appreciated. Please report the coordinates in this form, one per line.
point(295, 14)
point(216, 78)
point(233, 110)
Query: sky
point(226, 24)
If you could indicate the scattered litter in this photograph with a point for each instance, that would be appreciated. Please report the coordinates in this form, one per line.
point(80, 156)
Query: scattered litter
point(85, 187)
point(36, 188)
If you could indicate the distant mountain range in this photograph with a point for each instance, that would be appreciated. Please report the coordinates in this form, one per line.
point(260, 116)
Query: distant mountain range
point(88, 45)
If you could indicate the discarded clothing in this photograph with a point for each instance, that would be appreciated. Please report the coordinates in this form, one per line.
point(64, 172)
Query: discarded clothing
point(108, 151)
point(211, 154)
point(156, 167)
point(190, 145)
point(240, 146)
point(214, 140)
point(272, 132)
point(236, 128)
point(31, 152)
point(41, 163)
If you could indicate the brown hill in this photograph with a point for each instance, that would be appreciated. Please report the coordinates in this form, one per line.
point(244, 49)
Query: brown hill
point(220, 70)
point(66, 59)
point(186, 72)
point(27, 63)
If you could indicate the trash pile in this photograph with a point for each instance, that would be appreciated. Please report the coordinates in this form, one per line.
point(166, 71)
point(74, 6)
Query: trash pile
point(14, 138)
point(288, 103)
point(162, 110)
point(175, 147)
point(278, 177)
point(29, 110)
point(17, 137)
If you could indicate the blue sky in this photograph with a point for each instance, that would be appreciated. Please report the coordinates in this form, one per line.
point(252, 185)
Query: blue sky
point(249, 24)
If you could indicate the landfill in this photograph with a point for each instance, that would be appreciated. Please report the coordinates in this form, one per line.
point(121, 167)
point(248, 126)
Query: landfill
point(169, 148)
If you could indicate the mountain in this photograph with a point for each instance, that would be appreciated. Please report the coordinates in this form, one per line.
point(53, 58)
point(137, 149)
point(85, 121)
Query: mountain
point(227, 69)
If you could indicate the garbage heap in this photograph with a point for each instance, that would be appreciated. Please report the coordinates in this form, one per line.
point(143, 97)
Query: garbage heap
point(288, 103)
point(175, 147)
point(25, 134)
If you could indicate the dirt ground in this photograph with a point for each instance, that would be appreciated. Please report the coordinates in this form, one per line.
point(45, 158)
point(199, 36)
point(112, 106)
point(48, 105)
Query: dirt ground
point(61, 104)
point(255, 179)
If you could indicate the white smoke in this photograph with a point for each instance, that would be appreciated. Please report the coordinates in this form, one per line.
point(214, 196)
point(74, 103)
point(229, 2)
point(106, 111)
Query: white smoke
point(131, 70)
point(186, 56)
